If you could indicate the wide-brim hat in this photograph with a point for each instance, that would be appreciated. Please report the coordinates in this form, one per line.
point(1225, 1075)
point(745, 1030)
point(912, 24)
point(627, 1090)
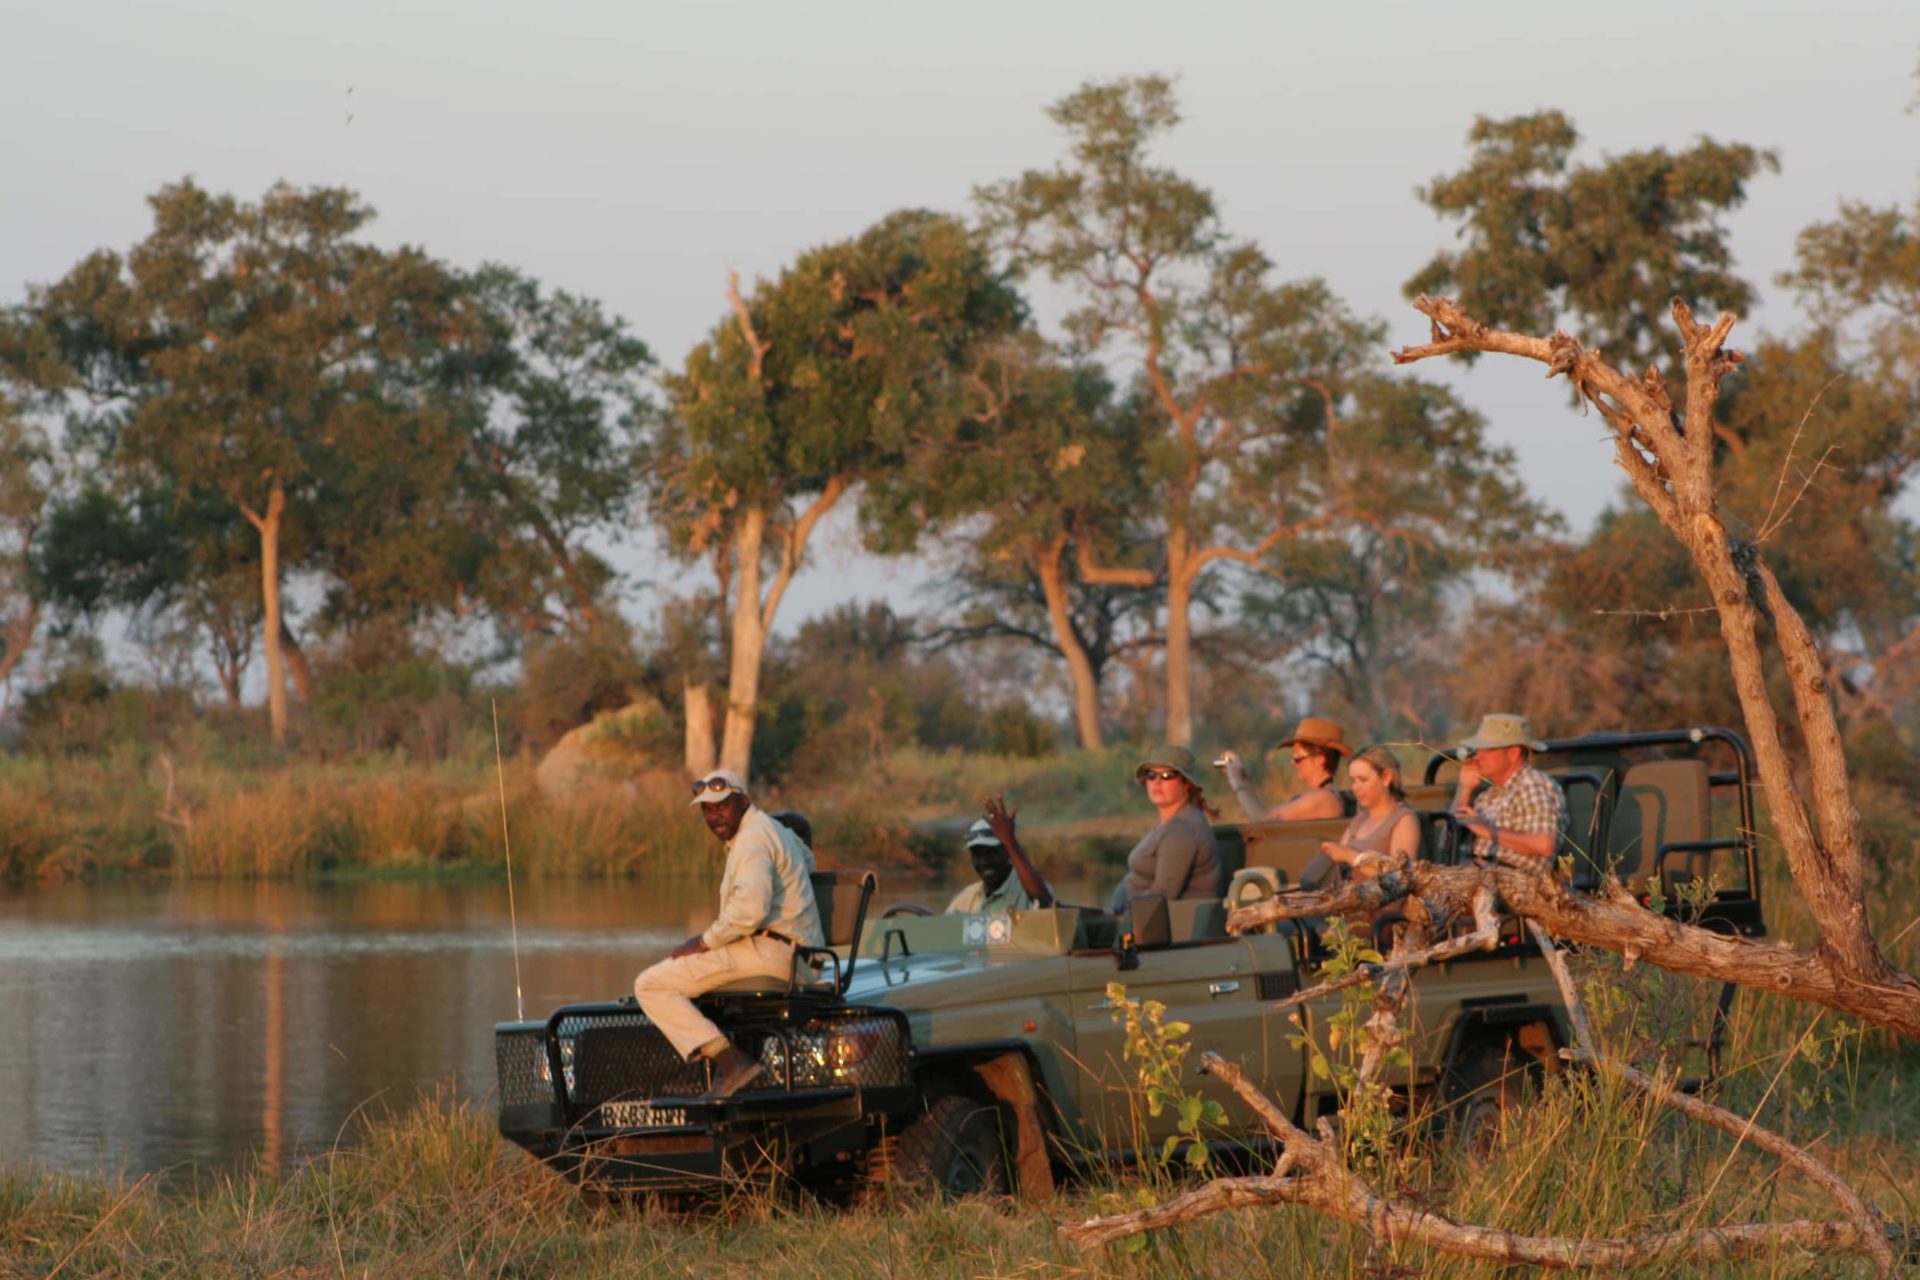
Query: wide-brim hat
point(1167, 756)
point(980, 835)
point(705, 793)
point(1312, 731)
point(1502, 729)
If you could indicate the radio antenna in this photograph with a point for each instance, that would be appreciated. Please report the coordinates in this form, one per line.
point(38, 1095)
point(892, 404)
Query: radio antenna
point(506, 843)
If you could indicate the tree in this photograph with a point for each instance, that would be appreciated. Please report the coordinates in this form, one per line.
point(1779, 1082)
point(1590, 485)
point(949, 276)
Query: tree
point(1044, 460)
point(257, 352)
point(1670, 459)
point(845, 369)
point(559, 397)
point(1246, 382)
point(1366, 601)
point(1600, 247)
point(26, 483)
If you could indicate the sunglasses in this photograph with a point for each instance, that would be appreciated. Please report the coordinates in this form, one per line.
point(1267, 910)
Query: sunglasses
point(1302, 757)
point(701, 785)
point(1160, 775)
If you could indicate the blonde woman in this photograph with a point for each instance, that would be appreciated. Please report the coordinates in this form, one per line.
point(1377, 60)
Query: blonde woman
point(1386, 829)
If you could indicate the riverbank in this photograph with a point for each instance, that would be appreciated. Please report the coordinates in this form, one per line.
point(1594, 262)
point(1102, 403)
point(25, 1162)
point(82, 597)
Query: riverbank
point(435, 1193)
point(135, 814)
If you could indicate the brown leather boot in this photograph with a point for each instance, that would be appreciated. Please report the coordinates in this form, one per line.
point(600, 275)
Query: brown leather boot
point(732, 1072)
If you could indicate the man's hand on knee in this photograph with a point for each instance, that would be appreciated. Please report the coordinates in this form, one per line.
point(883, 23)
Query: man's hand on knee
point(691, 947)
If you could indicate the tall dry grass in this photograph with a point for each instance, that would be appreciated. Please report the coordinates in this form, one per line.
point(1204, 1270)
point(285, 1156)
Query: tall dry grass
point(132, 813)
point(125, 816)
point(434, 1193)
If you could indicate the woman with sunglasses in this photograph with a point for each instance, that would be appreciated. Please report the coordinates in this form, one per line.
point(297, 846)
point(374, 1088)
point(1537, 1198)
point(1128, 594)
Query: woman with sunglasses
point(1317, 747)
point(1178, 857)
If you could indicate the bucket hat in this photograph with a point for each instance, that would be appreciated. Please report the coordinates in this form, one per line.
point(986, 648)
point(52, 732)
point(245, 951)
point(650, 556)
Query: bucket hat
point(1502, 729)
point(1167, 756)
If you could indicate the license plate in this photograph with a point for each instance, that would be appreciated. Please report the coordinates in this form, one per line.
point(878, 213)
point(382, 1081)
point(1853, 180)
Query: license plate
point(639, 1115)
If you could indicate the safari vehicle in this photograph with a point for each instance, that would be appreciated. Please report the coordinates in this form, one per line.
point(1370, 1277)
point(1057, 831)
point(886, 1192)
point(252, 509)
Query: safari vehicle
point(961, 1053)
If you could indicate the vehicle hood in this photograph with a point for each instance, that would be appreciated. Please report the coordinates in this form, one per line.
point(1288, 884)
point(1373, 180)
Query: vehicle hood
point(944, 979)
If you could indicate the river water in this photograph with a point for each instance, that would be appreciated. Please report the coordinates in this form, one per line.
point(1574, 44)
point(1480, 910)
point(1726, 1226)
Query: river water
point(193, 1027)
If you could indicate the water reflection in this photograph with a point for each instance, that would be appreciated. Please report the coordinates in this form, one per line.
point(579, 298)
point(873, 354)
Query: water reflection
point(198, 1026)
point(156, 1027)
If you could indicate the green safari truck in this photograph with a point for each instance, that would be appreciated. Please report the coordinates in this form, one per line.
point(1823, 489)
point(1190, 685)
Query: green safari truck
point(964, 1053)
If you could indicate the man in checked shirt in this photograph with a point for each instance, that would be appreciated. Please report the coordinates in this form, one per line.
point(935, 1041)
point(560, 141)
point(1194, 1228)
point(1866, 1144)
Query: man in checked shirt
point(1522, 810)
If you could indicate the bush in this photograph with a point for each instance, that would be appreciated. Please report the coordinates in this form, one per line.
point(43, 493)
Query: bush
point(1013, 730)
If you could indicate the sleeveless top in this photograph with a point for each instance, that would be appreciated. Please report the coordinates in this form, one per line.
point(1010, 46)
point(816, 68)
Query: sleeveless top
point(1322, 871)
point(1379, 839)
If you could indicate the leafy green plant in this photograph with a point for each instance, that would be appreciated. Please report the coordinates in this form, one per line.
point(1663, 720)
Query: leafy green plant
point(1366, 1117)
point(1157, 1047)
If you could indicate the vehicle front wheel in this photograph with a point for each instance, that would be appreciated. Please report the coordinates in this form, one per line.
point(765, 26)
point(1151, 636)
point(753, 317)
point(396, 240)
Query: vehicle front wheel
point(956, 1149)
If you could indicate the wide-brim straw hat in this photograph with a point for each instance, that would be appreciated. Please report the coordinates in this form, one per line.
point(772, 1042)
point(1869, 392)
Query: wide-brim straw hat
point(1167, 756)
point(1315, 732)
point(1502, 729)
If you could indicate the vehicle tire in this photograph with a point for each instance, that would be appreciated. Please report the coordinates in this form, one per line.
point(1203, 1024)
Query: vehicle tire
point(1482, 1089)
point(956, 1149)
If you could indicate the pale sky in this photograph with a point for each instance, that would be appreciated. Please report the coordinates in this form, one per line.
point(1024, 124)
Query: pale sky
point(636, 151)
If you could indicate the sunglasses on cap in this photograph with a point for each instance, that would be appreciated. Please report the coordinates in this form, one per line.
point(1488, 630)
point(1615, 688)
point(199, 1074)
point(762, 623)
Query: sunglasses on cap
point(1160, 775)
point(701, 785)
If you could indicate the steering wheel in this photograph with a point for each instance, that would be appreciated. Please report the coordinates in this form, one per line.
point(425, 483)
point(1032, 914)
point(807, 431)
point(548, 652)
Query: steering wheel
point(904, 909)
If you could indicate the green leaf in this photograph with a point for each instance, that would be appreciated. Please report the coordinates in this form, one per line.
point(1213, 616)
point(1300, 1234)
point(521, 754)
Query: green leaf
point(1174, 1030)
point(1191, 1108)
point(1198, 1155)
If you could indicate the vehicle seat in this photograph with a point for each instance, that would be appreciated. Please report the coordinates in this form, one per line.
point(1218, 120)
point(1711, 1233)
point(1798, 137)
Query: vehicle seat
point(1196, 919)
point(842, 898)
point(1662, 802)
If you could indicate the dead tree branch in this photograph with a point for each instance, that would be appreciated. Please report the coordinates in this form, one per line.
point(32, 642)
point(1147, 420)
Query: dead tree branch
point(1743, 1129)
point(1671, 465)
point(1311, 1174)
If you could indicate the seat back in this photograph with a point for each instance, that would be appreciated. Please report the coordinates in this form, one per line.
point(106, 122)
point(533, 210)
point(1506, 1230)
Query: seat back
point(1289, 846)
point(843, 898)
point(1231, 849)
point(1588, 789)
point(1196, 919)
point(1662, 802)
point(1430, 797)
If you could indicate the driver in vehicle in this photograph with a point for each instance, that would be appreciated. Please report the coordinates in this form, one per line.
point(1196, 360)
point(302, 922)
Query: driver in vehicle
point(766, 910)
point(998, 888)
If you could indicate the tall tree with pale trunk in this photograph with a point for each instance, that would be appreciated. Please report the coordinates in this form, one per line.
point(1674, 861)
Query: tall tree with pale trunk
point(845, 368)
point(1247, 381)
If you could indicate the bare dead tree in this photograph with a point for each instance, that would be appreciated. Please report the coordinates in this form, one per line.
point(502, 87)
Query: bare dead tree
point(1669, 457)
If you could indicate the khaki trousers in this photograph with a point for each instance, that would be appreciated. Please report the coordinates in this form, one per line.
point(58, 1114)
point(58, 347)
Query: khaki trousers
point(664, 990)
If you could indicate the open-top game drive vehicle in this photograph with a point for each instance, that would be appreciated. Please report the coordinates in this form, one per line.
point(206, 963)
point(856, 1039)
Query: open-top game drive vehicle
point(960, 1053)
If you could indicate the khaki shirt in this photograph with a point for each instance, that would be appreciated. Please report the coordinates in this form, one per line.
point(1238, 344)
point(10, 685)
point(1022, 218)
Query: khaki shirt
point(975, 900)
point(765, 886)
